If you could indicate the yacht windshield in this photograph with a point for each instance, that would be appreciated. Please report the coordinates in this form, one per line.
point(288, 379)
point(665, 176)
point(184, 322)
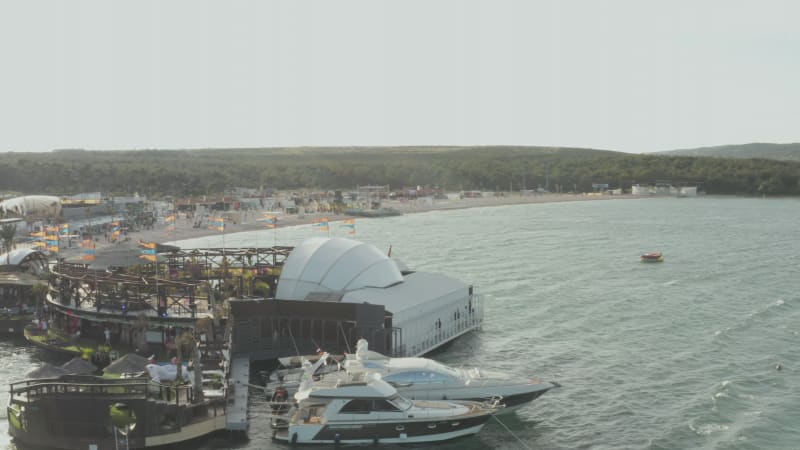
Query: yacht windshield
point(401, 402)
point(441, 368)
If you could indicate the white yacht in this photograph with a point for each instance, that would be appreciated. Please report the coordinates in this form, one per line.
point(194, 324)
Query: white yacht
point(367, 410)
point(422, 379)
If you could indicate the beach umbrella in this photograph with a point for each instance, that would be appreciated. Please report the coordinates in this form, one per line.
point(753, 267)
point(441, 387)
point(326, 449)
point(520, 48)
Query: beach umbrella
point(130, 363)
point(47, 371)
point(114, 258)
point(79, 366)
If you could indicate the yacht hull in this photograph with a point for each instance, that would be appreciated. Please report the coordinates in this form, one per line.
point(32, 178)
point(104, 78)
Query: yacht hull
point(391, 432)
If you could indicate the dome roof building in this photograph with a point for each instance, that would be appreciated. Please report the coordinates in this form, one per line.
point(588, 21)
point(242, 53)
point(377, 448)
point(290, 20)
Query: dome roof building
point(426, 310)
point(323, 265)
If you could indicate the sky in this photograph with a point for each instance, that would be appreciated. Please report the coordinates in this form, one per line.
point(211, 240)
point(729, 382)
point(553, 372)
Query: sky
point(627, 75)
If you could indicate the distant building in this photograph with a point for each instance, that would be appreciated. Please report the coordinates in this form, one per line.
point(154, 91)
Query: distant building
point(663, 189)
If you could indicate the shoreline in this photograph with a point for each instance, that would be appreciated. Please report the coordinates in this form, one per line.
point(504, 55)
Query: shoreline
point(184, 227)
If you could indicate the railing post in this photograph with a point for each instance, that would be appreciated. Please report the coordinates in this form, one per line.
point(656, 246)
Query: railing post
point(178, 410)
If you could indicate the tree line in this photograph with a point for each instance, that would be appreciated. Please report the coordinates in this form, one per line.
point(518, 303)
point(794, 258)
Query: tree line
point(159, 173)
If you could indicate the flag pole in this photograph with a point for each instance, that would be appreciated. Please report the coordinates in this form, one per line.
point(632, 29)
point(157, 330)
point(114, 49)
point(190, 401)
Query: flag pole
point(157, 293)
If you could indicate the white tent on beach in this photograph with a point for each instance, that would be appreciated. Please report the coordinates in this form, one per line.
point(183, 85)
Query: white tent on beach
point(38, 206)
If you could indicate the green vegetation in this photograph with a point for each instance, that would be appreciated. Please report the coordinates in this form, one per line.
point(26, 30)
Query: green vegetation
point(199, 172)
point(781, 152)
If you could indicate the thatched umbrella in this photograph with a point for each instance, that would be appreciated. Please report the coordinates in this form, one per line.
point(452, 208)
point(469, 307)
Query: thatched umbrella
point(79, 366)
point(130, 363)
point(47, 371)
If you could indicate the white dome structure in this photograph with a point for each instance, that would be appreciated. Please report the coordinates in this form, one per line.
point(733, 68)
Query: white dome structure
point(322, 265)
point(33, 260)
point(33, 205)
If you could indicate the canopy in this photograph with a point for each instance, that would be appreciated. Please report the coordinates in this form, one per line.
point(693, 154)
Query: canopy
point(115, 257)
point(39, 206)
point(16, 257)
point(47, 371)
point(335, 265)
point(79, 366)
point(129, 363)
point(19, 279)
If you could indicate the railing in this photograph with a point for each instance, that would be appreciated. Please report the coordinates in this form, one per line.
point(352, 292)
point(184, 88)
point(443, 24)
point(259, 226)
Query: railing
point(450, 326)
point(86, 289)
point(26, 392)
point(29, 390)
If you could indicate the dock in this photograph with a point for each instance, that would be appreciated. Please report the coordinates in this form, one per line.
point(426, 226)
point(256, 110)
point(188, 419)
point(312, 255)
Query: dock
point(236, 410)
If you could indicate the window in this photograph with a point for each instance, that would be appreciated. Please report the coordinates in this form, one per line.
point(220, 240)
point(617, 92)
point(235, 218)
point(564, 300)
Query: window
point(357, 406)
point(445, 374)
point(403, 378)
point(438, 377)
point(383, 405)
point(402, 403)
point(445, 370)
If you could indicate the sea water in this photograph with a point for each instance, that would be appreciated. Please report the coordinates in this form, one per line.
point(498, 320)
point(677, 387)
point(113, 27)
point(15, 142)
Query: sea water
point(700, 351)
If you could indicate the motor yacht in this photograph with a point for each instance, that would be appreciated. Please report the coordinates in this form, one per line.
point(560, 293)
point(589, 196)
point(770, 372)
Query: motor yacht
point(420, 378)
point(364, 409)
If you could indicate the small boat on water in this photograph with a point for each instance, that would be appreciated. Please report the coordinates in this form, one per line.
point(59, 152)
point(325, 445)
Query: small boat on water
point(419, 379)
point(368, 410)
point(652, 257)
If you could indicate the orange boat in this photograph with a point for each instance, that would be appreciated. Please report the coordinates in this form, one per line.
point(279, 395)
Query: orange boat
point(652, 257)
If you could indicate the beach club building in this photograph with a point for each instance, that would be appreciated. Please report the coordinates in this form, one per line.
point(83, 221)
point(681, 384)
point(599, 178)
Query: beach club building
point(333, 291)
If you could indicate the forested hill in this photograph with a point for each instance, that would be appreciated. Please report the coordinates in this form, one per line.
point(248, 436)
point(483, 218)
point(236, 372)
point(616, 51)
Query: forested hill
point(186, 172)
point(781, 152)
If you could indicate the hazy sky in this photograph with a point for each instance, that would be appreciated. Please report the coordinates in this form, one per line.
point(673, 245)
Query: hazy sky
point(633, 76)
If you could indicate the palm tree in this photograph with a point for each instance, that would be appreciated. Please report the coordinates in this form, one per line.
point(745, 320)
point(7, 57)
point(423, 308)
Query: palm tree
point(7, 232)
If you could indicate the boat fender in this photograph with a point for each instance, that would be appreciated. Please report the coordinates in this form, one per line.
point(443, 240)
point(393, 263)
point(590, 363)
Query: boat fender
point(375, 441)
point(294, 438)
point(337, 439)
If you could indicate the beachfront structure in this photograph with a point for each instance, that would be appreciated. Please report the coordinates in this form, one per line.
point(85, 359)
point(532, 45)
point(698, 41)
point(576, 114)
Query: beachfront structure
point(325, 293)
point(370, 197)
point(663, 189)
point(422, 311)
point(91, 412)
point(17, 300)
point(32, 206)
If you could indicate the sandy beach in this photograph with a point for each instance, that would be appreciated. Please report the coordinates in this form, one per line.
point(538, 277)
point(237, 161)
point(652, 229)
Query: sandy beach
point(185, 229)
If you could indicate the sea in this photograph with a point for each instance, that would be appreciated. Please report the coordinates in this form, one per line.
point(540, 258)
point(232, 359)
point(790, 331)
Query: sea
point(701, 351)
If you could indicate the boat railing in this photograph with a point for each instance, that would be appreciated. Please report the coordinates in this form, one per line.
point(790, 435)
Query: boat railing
point(30, 390)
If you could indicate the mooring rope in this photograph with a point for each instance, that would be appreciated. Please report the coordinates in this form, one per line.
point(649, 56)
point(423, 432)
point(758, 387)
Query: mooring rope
point(293, 342)
point(521, 442)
